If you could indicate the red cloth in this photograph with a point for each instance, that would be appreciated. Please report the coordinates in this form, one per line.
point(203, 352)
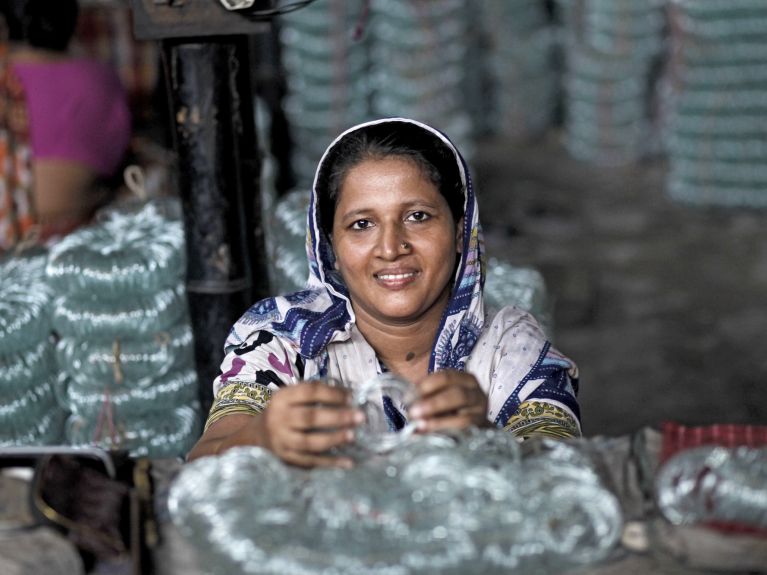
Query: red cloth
point(677, 437)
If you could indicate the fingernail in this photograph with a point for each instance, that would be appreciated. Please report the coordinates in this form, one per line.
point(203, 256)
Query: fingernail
point(349, 435)
point(416, 411)
point(359, 417)
point(421, 425)
point(345, 463)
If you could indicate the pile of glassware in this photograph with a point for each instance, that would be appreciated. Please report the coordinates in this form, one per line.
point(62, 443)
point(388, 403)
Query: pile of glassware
point(29, 412)
point(715, 484)
point(326, 62)
point(610, 48)
point(718, 130)
point(521, 65)
point(468, 503)
point(418, 64)
point(125, 352)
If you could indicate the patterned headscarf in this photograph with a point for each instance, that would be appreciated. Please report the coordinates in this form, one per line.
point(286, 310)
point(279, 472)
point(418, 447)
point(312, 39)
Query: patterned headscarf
point(321, 314)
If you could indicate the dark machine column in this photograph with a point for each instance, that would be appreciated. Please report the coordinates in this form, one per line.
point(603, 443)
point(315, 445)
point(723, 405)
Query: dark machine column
point(208, 74)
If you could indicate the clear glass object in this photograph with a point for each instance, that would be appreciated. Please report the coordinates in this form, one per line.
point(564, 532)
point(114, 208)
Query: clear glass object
point(384, 400)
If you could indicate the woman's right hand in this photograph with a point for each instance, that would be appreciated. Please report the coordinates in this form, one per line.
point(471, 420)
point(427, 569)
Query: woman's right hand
point(303, 422)
point(300, 424)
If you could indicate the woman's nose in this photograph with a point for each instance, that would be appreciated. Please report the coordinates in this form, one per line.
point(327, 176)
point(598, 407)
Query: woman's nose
point(392, 242)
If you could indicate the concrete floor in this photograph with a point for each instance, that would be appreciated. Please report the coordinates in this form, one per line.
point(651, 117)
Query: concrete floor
point(662, 305)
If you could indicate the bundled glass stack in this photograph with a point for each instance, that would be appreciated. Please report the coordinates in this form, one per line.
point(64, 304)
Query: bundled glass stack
point(521, 62)
point(125, 350)
point(418, 64)
point(289, 269)
point(610, 48)
point(326, 62)
point(29, 411)
point(470, 504)
point(522, 287)
point(715, 484)
point(718, 132)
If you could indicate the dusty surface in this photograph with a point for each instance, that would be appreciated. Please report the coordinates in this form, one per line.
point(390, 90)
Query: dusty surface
point(663, 305)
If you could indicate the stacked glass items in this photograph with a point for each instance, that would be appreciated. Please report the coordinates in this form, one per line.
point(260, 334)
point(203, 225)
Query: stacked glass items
point(522, 287)
point(126, 350)
point(718, 131)
point(418, 64)
point(289, 269)
point(715, 484)
point(29, 411)
point(326, 66)
point(522, 66)
point(610, 48)
point(472, 503)
point(505, 284)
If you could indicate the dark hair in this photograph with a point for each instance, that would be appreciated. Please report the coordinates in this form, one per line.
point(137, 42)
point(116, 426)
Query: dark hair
point(44, 24)
point(435, 159)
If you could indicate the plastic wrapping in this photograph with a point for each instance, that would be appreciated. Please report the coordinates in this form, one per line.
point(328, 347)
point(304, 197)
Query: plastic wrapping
point(705, 484)
point(83, 316)
point(127, 402)
point(716, 128)
point(124, 253)
point(139, 362)
point(437, 504)
point(25, 299)
point(158, 433)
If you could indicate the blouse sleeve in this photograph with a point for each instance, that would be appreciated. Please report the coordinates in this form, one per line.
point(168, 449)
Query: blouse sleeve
point(532, 387)
point(250, 373)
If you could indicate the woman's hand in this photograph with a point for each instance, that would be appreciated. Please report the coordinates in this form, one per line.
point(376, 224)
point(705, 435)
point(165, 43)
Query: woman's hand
point(449, 400)
point(303, 422)
point(300, 424)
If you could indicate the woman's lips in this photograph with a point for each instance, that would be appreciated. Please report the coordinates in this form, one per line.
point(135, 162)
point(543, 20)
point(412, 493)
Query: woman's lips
point(394, 280)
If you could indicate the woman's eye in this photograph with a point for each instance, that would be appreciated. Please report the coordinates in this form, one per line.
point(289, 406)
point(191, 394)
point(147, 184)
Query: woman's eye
point(419, 216)
point(361, 225)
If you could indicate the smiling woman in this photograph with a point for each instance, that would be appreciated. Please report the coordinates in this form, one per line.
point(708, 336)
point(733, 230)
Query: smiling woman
point(395, 285)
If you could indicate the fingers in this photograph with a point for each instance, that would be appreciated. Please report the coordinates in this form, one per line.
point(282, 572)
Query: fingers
point(449, 400)
point(307, 420)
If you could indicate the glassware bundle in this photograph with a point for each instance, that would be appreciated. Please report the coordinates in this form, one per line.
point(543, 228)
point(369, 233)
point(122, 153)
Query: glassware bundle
point(465, 504)
point(610, 47)
point(289, 269)
point(125, 350)
point(29, 412)
point(418, 64)
point(715, 484)
point(326, 66)
point(521, 62)
point(524, 288)
point(718, 130)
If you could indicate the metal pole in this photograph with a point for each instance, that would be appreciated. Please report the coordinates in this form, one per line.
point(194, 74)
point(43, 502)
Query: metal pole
point(218, 182)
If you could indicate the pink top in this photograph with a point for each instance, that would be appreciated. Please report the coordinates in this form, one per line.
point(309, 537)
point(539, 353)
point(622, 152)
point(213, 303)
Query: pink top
point(78, 111)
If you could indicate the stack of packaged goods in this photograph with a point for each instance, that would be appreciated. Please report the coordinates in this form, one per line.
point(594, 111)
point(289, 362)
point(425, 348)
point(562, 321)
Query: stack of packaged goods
point(126, 350)
point(326, 62)
point(418, 64)
point(289, 268)
point(611, 48)
point(29, 411)
point(717, 142)
point(522, 287)
point(522, 67)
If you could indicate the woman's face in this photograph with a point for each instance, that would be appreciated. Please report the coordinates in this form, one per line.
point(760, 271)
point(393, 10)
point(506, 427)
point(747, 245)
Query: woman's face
point(395, 241)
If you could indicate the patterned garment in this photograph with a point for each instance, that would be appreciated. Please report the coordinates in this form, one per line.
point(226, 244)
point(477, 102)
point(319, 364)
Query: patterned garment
point(312, 334)
point(17, 218)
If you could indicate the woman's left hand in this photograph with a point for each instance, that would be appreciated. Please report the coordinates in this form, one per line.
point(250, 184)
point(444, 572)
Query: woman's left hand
point(449, 400)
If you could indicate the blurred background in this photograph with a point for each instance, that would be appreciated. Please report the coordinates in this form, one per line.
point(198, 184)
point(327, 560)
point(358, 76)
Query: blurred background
point(618, 148)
